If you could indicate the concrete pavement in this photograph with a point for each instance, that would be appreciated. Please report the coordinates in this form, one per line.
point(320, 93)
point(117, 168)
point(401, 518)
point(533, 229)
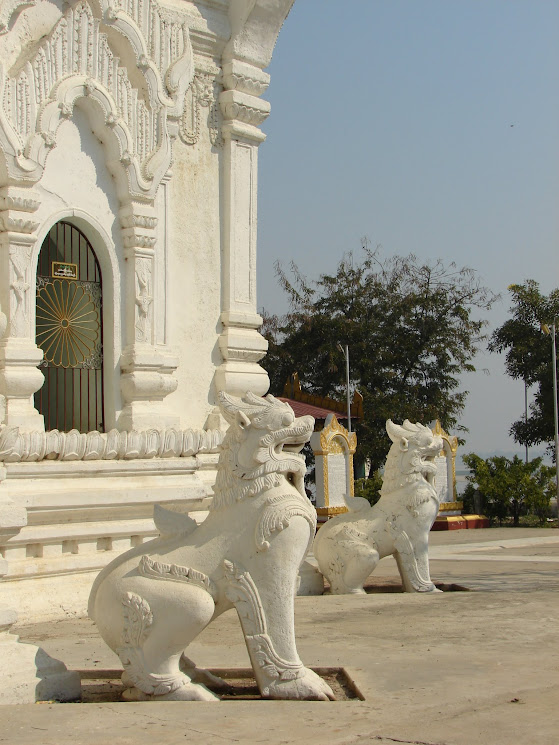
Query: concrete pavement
point(456, 668)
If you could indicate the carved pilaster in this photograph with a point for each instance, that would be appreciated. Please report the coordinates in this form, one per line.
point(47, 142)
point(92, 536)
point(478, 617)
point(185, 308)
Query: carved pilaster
point(240, 343)
point(201, 99)
point(19, 355)
point(146, 368)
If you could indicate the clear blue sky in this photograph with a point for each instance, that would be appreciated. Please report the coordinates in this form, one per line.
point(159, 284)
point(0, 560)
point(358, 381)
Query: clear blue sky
point(429, 126)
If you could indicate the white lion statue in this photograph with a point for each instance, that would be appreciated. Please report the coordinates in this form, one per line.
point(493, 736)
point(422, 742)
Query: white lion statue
point(348, 547)
point(152, 601)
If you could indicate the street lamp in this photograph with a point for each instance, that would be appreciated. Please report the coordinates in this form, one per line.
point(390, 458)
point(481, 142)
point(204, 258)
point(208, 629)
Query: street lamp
point(526, 415)
point(545, 328)
point(345, 352)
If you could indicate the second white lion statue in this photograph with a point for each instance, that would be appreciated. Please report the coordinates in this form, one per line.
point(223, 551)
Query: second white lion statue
point(152, 601)
point(348, 547)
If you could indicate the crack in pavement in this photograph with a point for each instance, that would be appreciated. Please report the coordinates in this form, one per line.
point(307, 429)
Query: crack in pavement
point(213, 734)
point(407, 742)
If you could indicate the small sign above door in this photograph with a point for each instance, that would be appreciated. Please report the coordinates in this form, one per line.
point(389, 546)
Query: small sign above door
point(64, 270)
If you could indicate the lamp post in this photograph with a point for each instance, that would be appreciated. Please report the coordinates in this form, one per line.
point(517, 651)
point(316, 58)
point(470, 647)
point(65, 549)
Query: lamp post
point(526, 414)
point(552, 330)
point(345, 351)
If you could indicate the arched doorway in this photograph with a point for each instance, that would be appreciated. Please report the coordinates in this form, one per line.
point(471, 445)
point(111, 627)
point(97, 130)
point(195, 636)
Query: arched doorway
point(69, 331)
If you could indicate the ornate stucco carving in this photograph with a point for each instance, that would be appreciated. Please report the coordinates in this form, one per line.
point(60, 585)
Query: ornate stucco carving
point(138, 221)
point(244, 108)
point(245, 355)
point(331, 438)
point(20, 204)
point(17, 446)
point(146, 368)
point(19, 289)
point(202, 94)
point(138, 620)
point(277, 515)
point(144, 298)
point(137, 78)
point(130, 65)
point(245, 78)
point(7, 10)
point(139, 241)
point(134, 106)
point(155, 569)
point(19, 355)
point(17, 225)
point(16, 230)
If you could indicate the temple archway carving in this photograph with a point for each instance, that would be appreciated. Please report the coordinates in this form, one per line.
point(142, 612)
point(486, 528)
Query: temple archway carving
point(137, 95)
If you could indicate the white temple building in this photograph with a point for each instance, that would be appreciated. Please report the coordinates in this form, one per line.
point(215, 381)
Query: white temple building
point(129, 135)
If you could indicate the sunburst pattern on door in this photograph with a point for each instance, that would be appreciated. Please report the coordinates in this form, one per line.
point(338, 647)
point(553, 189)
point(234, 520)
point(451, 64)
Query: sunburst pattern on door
point(69, 330)
point(67, 323)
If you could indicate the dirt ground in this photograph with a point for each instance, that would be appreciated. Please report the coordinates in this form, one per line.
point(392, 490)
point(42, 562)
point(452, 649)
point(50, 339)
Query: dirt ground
point(477, 666)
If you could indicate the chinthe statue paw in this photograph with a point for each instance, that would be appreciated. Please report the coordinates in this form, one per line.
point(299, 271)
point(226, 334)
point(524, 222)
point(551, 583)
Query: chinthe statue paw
point(307, 687)
point(428, 590)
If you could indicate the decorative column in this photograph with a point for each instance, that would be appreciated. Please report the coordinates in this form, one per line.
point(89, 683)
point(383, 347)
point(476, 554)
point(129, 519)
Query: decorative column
point(19, 355)
point(146, 368)
point(240, 343)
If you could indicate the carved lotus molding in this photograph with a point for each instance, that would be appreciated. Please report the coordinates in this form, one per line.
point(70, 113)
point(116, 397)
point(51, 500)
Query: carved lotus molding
point(17, 447)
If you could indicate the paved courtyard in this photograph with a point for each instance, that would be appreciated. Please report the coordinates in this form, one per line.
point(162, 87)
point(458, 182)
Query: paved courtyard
point(457, 668)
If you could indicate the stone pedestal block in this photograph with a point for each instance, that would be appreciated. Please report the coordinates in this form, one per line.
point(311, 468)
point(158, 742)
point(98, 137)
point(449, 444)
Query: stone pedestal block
point(145, 383)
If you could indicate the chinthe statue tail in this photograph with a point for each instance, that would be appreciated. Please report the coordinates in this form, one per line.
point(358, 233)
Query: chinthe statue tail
point(356, 504)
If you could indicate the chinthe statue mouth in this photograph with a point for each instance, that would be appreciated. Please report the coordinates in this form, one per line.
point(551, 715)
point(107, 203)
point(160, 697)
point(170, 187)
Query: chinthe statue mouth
point(429, 469)
point(293, 447)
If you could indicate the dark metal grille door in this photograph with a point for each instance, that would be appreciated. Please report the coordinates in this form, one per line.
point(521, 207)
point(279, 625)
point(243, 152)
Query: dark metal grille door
point(69, 331)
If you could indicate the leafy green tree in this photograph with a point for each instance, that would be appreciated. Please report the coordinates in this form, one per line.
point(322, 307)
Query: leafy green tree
point(528, 357)
point(410, 330)
point(369, 488)
point(511, 487)
point(538, 500)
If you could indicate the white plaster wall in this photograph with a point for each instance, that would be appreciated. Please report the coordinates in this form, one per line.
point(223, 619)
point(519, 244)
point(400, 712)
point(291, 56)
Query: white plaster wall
point(76, 175)
point(195, 276)
point(77, 187)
